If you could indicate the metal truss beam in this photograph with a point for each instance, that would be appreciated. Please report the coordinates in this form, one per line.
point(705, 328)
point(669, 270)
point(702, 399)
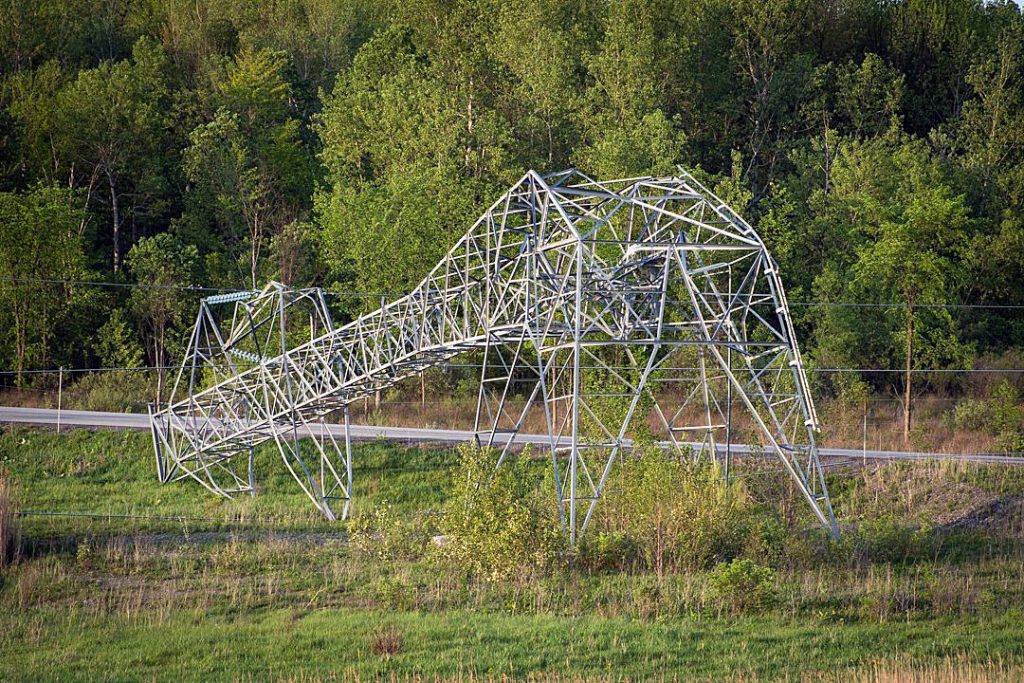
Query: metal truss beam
point(591, 295)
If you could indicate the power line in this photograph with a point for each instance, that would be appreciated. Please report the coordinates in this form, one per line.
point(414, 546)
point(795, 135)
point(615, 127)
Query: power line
point(148, 368)
point(125, 285)
point(855, 304)
point(169, 518)
point(186, 288)
point(378, 295)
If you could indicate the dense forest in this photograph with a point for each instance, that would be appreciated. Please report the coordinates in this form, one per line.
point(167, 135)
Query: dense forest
point(166, 146)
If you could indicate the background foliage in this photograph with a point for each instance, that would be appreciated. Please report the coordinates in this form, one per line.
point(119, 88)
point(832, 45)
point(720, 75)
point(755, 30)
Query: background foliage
point(346, 143)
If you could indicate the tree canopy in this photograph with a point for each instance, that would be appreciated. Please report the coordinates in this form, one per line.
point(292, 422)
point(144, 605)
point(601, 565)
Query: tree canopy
point(878, 145)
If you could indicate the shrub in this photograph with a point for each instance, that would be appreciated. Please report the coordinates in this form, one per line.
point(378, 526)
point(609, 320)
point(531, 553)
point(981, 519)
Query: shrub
point(680, 516)
point(609, 550)
point(969, 414)
point(743, 585)
point(1008, 417)
point(1001, 416)
point(393, 593)
point(497, 524)
point(110, 391)
point(814, 548)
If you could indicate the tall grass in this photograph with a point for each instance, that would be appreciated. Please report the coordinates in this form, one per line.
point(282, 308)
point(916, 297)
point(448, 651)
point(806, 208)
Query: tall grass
point(10, 536)
point(946, 670)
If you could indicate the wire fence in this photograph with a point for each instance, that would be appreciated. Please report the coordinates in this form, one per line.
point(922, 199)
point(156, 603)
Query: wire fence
point(940, 423)
point(61, 386)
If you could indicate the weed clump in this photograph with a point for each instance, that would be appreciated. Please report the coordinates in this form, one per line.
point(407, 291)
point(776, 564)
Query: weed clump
point(386, 641)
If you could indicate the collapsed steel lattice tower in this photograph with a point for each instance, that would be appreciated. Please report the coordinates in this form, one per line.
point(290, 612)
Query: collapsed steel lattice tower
point(643, 304)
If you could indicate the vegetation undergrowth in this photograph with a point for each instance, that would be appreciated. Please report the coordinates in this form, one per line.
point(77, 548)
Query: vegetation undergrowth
point(444, 549)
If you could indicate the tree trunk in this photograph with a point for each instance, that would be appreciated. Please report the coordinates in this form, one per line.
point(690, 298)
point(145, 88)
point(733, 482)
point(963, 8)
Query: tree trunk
point(551, 143)
point(116, 213)
point(906, 381)
point(255, 256)
point(158, 353)
point(469, 126)
point(20, 343)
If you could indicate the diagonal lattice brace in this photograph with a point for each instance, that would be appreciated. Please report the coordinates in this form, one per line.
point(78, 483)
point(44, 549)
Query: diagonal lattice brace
point(622, 309)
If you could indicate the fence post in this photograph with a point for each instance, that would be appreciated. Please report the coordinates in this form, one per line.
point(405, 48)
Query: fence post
point(864, 447)
point(60, 394)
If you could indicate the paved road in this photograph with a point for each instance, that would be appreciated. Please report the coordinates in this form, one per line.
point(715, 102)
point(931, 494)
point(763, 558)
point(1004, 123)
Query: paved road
point(94, 419)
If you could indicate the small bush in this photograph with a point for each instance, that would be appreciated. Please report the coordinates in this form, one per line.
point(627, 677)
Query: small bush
point(1008, 417)
point(114, 392)
point(1001, 415)
point(743, 585)
point(393, 593)
point(969, 414)
point(609, 550)
point(814, 548)
point(677, 516)
point(497, 523)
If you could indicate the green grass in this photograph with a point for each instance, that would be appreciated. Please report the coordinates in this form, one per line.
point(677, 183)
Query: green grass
point(282, 594)
point(277, 643)
point(114, 473)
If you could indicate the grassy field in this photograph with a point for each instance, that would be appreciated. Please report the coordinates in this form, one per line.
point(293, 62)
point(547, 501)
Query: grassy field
point(928, 584)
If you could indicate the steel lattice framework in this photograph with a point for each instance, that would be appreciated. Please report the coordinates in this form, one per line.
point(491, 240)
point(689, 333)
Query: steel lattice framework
point(613, 308)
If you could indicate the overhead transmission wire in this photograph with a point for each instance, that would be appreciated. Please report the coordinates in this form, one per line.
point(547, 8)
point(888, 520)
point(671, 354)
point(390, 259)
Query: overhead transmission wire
point(393, 295)
point(222, 524)
point(445, 366)
point(381, 295)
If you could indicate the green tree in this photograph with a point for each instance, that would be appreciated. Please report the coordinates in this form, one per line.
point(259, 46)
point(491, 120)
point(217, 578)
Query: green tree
point(164, 268)
point(991, 129)
point(400, 192)
point(870, 96)
point(770, 56)
point(911, 262)
point(30, 99)
point(230, 186)
point(112, 124)
point(39, 247)
point(626, 130)
point(904, 233)
point(989, 139)
point(537, 43)
point(933, 42)
point(249, 170)
point(117, 344)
